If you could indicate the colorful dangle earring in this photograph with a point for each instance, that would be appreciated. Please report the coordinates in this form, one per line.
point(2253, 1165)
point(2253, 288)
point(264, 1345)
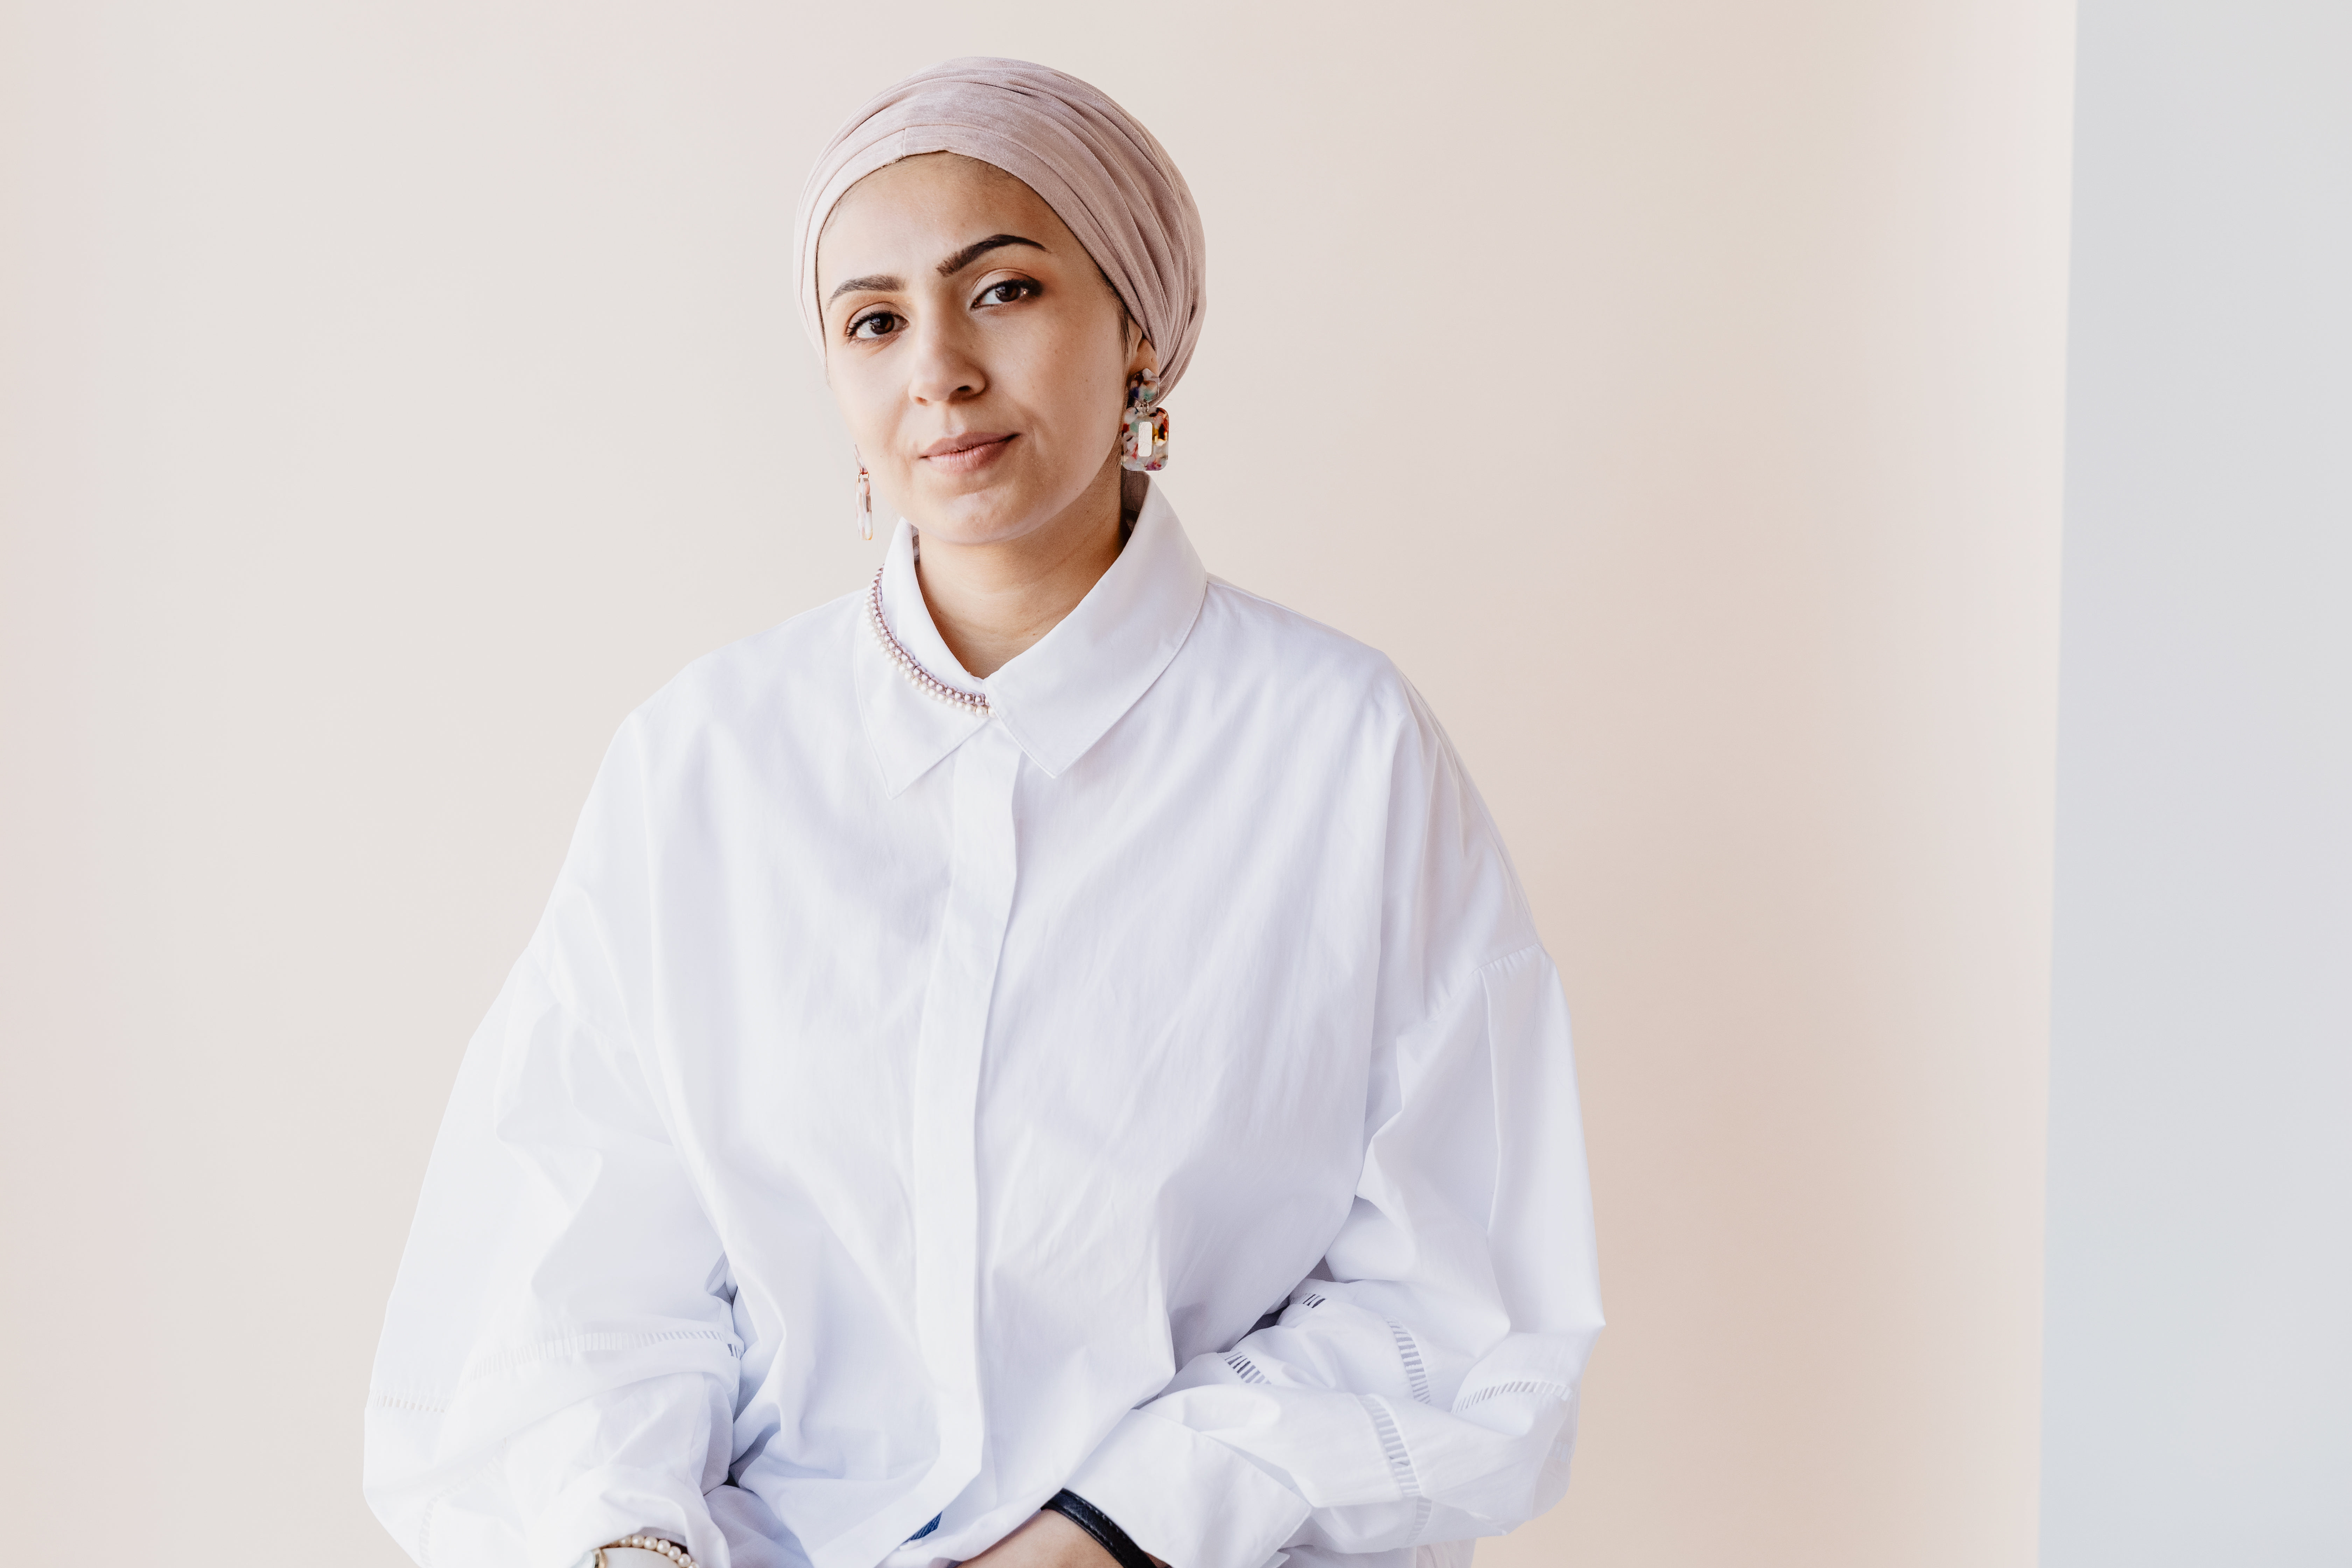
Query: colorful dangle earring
point(865, 504)
point(1146, 448)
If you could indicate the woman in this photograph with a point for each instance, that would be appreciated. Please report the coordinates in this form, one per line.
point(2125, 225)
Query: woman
point(1044, 1062)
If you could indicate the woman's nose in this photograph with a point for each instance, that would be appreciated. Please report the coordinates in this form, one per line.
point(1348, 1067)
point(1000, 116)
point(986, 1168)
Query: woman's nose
point(944, 369)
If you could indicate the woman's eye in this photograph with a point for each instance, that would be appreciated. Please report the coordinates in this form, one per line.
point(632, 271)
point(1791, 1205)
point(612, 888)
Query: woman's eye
point(1006, 292)
point(874, 325)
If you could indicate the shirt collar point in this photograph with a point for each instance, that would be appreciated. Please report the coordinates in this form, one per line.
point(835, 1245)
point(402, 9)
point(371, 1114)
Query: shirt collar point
point(1062, 695)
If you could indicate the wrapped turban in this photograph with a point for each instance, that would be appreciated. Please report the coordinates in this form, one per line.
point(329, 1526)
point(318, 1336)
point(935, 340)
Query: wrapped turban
point(1102, 174)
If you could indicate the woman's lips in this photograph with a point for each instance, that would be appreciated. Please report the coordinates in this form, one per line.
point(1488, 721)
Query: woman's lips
point(966, 454)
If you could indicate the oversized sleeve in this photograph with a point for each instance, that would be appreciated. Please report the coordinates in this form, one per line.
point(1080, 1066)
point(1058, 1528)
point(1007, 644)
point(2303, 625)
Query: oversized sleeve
point(1425, 1391)
point(559, 1361)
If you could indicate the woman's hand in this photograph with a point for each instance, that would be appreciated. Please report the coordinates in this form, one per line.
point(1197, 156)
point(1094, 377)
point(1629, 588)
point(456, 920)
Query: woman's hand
point(1047, 1540)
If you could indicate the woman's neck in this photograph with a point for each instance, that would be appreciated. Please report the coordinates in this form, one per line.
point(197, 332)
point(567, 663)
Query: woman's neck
point(991, 602)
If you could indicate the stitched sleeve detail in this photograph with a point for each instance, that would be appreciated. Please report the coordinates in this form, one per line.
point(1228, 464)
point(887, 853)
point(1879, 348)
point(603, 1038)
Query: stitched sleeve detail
point(1416, 1377)
point(1400, 1457)
point(382, 1399)
point(1392, 1444)
point(1540, 1388)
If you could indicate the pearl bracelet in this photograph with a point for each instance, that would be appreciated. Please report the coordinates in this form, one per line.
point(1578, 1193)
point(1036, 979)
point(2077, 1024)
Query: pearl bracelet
point(668, 1549)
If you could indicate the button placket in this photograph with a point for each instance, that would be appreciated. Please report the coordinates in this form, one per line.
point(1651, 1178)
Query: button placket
point(947, 1095)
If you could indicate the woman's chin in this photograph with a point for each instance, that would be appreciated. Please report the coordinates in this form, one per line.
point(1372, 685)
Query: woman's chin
point(991, 514)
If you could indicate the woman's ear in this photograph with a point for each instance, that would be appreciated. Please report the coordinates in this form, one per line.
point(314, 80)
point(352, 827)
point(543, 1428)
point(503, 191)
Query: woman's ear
point(1140, 354)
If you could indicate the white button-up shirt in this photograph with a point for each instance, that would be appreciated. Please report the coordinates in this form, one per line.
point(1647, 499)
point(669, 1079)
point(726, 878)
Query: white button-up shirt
point(1151, 1085)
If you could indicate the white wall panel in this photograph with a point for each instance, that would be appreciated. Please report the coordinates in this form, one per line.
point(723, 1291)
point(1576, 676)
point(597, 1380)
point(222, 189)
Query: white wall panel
point(2197, 1380)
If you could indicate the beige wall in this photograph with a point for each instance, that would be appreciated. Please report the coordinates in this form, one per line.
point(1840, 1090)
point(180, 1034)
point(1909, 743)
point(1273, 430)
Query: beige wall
point(393, 396)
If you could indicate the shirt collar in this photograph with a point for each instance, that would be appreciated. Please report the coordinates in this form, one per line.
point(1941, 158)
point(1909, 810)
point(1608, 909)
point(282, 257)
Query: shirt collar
point(1060, 695)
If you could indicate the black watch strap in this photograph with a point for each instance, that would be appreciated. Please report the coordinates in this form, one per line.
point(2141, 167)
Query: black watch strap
point(1098, 1524)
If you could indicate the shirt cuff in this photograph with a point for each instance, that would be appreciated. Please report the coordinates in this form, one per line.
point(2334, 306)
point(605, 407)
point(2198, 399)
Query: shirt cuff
point(605, 1505)
point(1187, 1499)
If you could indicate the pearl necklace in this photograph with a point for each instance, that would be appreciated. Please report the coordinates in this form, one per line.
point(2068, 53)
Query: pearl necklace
point(896, 652)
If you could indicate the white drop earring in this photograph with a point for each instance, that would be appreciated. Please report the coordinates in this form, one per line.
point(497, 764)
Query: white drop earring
point(865, 503)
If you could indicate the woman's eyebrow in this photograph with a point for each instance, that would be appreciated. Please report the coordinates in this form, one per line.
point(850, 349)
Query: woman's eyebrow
point(978, 248)
point(881, 283)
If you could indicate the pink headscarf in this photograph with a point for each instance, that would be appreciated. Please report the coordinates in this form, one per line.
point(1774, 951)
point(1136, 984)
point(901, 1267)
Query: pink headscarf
point(1100, 172)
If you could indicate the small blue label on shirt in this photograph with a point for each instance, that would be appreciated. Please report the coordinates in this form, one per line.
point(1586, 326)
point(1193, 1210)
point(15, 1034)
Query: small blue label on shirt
point(928, 1528)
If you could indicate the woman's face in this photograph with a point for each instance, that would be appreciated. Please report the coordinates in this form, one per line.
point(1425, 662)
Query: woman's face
point(979, 357)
